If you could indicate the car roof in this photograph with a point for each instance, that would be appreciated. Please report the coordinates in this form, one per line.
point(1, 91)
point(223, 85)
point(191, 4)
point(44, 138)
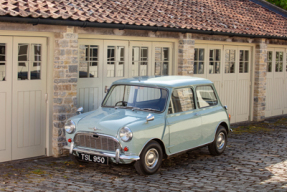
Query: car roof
point(164, 81)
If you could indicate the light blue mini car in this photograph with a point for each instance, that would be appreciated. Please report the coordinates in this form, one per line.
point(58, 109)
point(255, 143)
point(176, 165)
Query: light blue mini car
point(146, 119)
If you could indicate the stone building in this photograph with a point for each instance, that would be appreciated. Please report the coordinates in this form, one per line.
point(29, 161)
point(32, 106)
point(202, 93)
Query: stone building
point(58, 55)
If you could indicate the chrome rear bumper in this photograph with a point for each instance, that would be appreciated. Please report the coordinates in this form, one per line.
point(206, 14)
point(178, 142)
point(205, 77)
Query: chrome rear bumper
point(115, 155)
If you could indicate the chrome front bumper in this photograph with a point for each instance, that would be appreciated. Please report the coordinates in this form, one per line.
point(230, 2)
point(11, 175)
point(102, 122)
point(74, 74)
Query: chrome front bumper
point(115, 155)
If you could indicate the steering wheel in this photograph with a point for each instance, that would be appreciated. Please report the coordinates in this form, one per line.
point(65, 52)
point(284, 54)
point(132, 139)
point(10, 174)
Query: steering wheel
point(124, 103)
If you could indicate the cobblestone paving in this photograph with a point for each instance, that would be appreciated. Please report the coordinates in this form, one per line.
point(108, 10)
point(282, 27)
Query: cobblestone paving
point(255, 160)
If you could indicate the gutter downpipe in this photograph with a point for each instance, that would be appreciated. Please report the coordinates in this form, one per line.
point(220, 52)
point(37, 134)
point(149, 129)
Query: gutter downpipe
point(36, 21)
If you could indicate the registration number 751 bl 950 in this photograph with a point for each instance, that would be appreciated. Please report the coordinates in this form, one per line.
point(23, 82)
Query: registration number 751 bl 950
point(93, 158)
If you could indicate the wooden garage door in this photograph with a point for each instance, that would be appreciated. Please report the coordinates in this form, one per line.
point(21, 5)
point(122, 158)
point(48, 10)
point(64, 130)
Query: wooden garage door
point(229, 67)
point(105, 61)
point(276, 103)
point(23, 97)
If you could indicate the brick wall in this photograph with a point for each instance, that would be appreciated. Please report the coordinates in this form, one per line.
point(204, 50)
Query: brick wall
point(65, 84)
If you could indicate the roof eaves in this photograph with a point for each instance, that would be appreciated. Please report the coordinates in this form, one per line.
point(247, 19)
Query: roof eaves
point(271, 7)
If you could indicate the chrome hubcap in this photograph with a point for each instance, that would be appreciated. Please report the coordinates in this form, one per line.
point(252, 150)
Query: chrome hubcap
point(151, 158)
point(220, 140)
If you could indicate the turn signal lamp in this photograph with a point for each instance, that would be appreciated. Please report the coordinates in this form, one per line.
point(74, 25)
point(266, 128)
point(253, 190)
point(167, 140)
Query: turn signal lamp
point(70, 140)
point(229, 116)
point(126, 149)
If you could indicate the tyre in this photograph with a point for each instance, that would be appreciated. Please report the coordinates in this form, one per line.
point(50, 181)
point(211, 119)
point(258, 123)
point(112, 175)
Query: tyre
point(150, 159)
point(218, 146)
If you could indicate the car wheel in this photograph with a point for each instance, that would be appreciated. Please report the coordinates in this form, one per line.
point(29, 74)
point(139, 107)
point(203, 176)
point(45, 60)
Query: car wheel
point(218, 146)
point(150, 159)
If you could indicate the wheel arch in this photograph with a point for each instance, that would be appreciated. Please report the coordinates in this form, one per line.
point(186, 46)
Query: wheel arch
point(224, 124)
point(160, 143)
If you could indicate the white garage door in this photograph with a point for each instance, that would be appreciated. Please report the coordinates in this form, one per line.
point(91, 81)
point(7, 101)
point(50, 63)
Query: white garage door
point(276, 88)
point(22, 97)
point(229, 68)
point(105, 61)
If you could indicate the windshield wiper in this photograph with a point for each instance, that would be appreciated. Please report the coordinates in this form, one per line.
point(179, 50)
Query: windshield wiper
point(151, 109)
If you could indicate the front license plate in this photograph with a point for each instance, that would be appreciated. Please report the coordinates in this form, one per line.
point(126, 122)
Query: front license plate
point(93, 158)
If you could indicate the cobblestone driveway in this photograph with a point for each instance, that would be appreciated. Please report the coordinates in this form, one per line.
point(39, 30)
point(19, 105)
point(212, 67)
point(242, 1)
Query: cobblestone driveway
point(255, 160)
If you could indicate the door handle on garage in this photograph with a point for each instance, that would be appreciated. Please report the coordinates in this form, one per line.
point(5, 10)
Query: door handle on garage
point(106, 89)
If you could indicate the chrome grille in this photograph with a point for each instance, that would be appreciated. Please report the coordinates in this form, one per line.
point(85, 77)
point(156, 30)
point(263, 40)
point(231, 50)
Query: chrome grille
point(92, 140)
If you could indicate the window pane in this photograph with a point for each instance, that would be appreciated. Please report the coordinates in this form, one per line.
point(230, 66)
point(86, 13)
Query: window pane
point(269, 61)
point(165, 53)
point(35, 66)
point(135, 59)
point(183, 100)
point(205, 96)
point(84, 60)
point(144, 59)
point(2, 61)
point(23, 66)
point(229, 61)
point(158, 60)
point(120, 64)
point(244, 61)
point(198, 66)
point(110, 61)
point(214, 55)
point(165, 68)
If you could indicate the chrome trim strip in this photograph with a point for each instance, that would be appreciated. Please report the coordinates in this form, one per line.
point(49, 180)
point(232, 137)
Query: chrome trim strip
point(106, 154)
point(117, 156)
point(189, 149)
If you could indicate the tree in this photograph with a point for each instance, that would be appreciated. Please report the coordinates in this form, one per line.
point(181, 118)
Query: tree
point(279, 3)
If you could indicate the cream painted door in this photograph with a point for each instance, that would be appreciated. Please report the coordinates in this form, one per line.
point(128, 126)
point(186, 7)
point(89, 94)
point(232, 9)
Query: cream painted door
point(5, 97)
point(243, 85)
point(162, 58)
point(276, 70)
point(28, 97)
point(229, 82)
point(140, 54)
point(116, 65)
point(214, 66)
point(229, 68)
point(90, 83)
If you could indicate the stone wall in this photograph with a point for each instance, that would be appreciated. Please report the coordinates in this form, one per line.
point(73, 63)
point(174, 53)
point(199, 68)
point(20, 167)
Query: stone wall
point(65, 84)
point(185, 55)
point(260, 80)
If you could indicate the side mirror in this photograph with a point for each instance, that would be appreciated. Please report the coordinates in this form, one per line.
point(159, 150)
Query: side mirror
point(150, 117)
point(225, 107)
point(80, 110)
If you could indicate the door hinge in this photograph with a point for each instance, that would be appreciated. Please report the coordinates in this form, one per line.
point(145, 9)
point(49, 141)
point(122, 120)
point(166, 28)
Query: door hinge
point(46, 97)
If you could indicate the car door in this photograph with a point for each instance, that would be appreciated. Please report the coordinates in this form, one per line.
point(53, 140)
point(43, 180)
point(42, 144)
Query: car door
point(210, 111)
point(183, 121)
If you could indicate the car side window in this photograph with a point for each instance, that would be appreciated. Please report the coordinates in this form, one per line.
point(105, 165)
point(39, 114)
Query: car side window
point(182, 100)
point(205, 96)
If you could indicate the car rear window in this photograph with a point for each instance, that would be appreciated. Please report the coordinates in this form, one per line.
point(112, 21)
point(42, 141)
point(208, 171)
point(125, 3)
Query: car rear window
point(205, 96)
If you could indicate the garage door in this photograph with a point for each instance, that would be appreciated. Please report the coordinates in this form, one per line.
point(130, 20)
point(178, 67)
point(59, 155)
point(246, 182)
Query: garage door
point(276, 89)
point(22, 97)
point(105, 61)
point(229, 68)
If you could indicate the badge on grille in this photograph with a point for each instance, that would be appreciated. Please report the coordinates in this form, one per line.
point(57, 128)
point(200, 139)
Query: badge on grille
point(95, 129)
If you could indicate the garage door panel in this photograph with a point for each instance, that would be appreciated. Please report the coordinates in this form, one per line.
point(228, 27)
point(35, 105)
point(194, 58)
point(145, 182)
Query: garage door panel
point(3, 117)
point(88, 98)
point(242, 102)
point(228, 96)
point(277, 97)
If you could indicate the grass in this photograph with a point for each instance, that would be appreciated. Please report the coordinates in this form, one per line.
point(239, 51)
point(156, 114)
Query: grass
point(252, 129)
point(38, 172)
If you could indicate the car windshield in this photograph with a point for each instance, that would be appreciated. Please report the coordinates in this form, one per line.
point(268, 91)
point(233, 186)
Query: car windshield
point(136, 97)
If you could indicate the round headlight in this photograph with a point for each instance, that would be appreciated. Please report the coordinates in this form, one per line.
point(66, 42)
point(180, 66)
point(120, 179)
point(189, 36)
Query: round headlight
point(126, 134)
point(70, 126)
